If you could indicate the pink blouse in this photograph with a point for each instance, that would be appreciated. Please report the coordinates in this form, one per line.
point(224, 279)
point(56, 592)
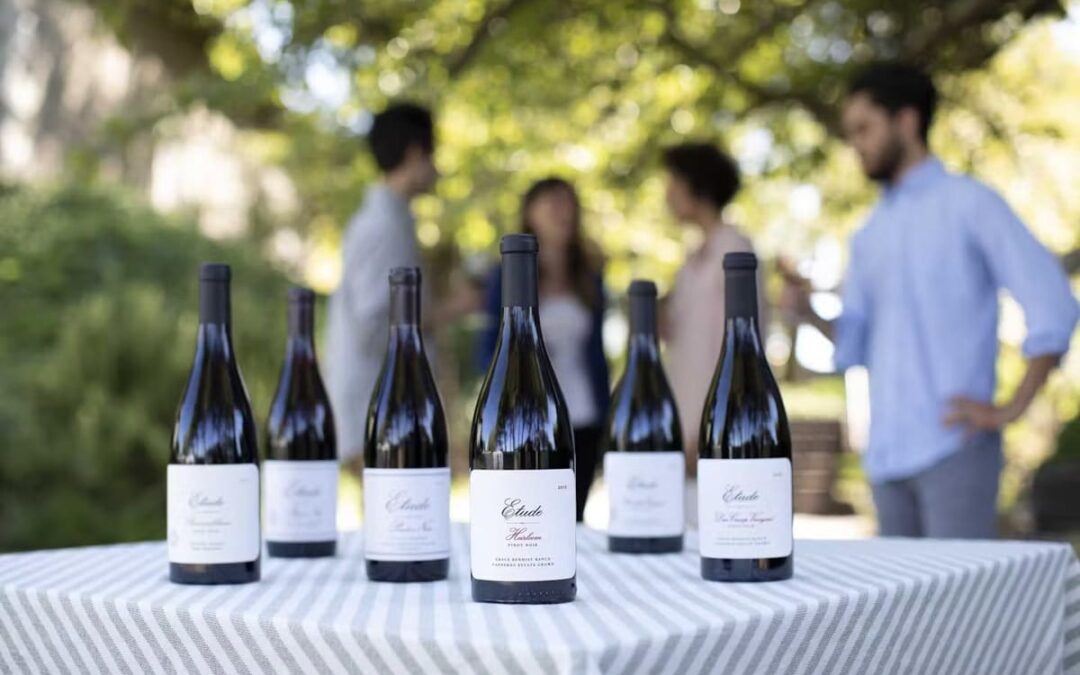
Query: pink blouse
point(695, 322)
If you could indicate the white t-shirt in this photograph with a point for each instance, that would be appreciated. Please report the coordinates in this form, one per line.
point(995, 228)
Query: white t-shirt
point(566, 323)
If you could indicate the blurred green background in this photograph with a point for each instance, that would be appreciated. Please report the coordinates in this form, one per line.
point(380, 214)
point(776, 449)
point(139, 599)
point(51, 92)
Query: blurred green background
point(140, 137)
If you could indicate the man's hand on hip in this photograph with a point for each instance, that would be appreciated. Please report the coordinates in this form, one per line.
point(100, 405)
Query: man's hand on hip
point(976, 416)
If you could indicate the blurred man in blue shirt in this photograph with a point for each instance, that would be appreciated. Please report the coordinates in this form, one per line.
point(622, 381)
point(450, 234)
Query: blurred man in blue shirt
point(921, 313)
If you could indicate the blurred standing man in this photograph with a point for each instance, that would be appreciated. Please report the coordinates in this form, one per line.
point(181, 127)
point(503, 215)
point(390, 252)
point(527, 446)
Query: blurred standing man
point(921, 313)
point(380, 236)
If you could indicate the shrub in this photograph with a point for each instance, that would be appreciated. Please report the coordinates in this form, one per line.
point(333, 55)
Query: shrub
point(1068, 442)
point(99, 309)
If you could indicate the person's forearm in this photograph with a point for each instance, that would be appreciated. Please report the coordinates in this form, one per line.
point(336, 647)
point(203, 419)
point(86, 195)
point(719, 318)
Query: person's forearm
point(827, 327)
point(1038, 371)
point(979, 416)
point(463, 298)
point(795, 304)
point(355, 464)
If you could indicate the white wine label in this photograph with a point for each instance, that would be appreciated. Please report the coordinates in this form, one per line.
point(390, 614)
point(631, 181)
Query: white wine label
point(213, 513)
point(645, 491)
point(522, 524)
point(407, 514)
point(744, 508)
point(300, 499)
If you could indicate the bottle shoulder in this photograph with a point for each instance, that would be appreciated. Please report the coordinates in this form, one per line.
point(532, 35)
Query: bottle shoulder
point(214, 421)
point(406, 423)
point(744, 415)
point(215, 435)
point(405, 382)
point(521, 419)
point(644, 423)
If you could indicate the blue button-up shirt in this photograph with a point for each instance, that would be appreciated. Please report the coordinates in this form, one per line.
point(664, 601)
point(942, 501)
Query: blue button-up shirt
point(921, 309)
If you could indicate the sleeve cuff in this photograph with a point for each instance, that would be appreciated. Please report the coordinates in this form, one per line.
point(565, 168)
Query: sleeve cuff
point(1052, 339)
point(1042, 345)
point(850, 342)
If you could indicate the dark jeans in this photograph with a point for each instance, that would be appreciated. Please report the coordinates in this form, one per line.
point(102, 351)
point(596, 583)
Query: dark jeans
point(586, 441)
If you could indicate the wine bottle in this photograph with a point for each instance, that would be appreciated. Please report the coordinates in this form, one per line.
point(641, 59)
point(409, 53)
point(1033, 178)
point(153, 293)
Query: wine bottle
point(644, 465)
point(521, 454)
point(300, 472)
point(213, 474)
point(744, 473)
point(406, 453)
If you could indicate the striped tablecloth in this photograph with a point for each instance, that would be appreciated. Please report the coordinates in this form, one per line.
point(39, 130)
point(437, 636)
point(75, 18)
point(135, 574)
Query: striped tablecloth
point(873, 606)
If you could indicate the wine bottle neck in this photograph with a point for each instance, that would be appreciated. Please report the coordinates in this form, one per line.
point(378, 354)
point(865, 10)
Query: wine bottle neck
point(740, 294)
point(519, 280)
point(300, 348)
point(521, 325)
point(301, 322)
point(644, 347)
point(214, 341)
point(643, 357)
point(643, 316)
point(404, 306)
point(214, 302)
point(744, 332)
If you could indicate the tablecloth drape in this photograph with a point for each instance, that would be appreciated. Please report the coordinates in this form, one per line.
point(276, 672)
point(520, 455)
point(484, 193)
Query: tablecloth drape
point(870, 606)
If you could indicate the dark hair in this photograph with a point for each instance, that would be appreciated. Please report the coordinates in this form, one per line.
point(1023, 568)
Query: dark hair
point(397, 128)
point(582, 264)
point(711, 174)
point(895, 86)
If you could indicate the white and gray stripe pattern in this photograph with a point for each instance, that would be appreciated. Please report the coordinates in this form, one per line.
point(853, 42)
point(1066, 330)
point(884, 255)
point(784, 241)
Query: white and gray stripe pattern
point(873, 606)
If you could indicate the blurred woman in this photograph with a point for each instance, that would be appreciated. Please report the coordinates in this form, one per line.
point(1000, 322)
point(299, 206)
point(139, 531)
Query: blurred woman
point(571, 314)
point(702, 181)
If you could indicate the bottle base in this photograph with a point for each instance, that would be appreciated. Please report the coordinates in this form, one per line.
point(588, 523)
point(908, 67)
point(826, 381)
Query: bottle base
point(301, 549)
point(222, 573)
point(645, 544)
point(409, 571)
point(747, 569)
point(525, 592)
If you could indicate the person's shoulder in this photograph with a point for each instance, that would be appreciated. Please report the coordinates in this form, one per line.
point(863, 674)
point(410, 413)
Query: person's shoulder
point(978, 205)
point(872, 222)
point(367, 210)
point(594, 257)
point(742, 241)
point(731, 239)
point(382, 202)
point(492, 280)
point(866, 232)
point(968, 190)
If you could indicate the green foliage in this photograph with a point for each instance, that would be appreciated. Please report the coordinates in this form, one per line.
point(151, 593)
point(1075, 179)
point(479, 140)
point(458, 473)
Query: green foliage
point(99, 298)
point(1068, 442)
point(590, 89)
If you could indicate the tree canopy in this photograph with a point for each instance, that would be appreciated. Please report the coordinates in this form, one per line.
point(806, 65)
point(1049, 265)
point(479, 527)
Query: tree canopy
point(586, 88)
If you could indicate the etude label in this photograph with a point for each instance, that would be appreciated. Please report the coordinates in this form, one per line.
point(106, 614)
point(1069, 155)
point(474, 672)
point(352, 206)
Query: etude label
point(301, 500)
point(645, 490)
point(213, 513)
point(407, 514)
point(744, 508)
point(522, 525)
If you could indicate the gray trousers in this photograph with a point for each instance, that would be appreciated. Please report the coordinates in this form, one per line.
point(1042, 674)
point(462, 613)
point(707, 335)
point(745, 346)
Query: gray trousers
point(955, 498)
